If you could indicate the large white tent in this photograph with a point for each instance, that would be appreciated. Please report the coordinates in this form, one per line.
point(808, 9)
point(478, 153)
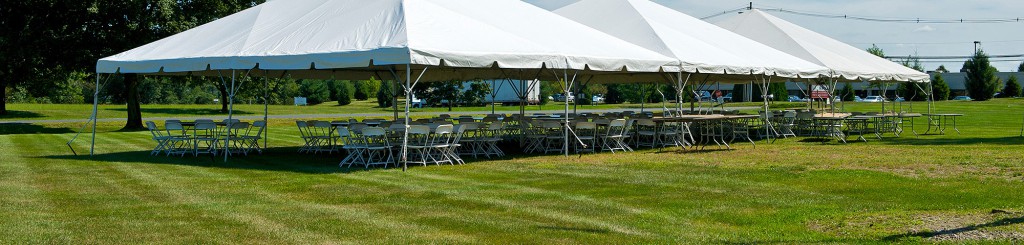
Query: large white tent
point(847, 62)
point(356, 39)
point(321, 35)
point(700, 46)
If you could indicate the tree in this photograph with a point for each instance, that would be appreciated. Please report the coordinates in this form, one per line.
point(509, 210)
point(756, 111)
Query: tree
point(546, 90)
point(386, 93)
point(614, 94)
point(1012, 89)
point(474, 96)
point(940, 90)
point(875, 50)
point(911, 91)
point(345, 91)
point(738, 93)
point(1021, 67)
point(316, 92)
point(941, 69)
point(447, 93)
point(366, 89)
point(912, 62)
point(846, 93)
point(982, 82)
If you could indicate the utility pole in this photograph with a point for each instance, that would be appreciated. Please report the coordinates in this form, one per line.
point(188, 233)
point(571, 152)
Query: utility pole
point(976, 44)
point(751, 6)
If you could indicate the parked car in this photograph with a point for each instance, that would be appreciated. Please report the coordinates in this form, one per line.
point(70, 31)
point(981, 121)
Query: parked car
point(874, 99)
point(727, 97)
point(857, 99)
point(963, 98)
point(794, 98)
point(900, 99)
point(597, 99)
point(563, 98)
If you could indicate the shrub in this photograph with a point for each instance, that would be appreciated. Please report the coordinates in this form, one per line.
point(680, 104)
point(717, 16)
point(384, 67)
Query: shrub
point(981, 81)
point(316, 92)
point(345, 90)
point(1012, 88)
point(940, 90)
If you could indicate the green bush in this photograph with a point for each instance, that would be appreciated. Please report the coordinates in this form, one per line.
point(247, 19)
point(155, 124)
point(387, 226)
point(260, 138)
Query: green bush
point(345, 91)
point(614, 95)
point(846, 93)
point(316, 92)
point(385, 96)
point(364, 90)
point(1012, 89)
point(940, 90)
point(982, 82)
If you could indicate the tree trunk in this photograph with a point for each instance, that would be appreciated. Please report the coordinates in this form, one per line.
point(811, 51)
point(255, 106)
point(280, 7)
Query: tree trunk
point(223, 98)
point(131, 83)
point(3, 98)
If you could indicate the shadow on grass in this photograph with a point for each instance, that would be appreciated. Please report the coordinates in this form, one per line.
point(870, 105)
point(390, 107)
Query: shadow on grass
point(273, 159)
point(955, 140)
point(20, 115)
point(181, 111)
point(929, 234)
point(26, 128)
point(574, 229)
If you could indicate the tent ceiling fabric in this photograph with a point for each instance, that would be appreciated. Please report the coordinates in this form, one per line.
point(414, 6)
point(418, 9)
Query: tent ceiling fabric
point(323, 38)
point(700, 46)
point(846, 61)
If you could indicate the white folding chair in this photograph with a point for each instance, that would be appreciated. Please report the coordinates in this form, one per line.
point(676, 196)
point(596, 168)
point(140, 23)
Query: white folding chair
point(179, 143)
point(204, 138)
point(160, 138)
point(419, 144)
point(378, 148)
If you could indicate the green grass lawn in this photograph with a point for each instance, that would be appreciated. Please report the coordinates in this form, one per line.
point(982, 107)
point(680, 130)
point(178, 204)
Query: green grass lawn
point(909, 189)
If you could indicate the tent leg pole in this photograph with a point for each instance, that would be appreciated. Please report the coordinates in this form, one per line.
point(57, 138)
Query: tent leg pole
point(405, 137)
point(565, 77)
point(266, 108)
point(95, 109)
point(231, 111)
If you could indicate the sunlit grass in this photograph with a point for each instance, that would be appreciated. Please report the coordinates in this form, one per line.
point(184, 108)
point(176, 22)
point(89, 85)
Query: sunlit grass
point(790, 191)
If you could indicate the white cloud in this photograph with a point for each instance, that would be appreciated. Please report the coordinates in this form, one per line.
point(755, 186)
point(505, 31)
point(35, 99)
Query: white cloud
point(926, 28)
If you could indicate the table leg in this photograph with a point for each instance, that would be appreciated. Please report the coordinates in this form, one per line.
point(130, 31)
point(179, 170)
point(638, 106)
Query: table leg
point(954, 126)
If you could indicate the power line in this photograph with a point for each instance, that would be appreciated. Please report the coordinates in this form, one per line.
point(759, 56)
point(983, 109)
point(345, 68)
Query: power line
point(938, 43)
point(876, 19)
point(955, 57)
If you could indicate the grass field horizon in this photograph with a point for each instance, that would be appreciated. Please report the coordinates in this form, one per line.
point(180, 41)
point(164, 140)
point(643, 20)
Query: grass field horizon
point(953, 188)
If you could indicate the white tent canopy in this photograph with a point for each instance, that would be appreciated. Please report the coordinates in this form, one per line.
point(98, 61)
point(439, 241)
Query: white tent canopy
point(319, 37)
point(846, 61)
point(700, 46)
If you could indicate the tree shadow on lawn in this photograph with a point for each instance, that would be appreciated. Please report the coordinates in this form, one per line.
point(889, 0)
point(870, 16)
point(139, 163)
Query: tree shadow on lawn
point(273, 159)
point(926, 140)
point(20, 115)
point(929, 234)
point(26, 128)
point(184, 111)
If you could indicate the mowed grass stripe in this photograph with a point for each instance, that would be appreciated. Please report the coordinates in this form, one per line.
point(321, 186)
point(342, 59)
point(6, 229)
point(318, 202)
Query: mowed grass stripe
point(27, 212)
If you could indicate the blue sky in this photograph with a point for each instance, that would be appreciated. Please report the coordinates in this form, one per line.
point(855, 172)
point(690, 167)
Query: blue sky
point(895, 38)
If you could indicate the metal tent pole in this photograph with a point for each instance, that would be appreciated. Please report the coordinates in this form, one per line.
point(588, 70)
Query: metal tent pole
point(405, 137)
point(565, 77)
point(266, 108)
point(95, 109)
point(231, 111)
point(408, 93)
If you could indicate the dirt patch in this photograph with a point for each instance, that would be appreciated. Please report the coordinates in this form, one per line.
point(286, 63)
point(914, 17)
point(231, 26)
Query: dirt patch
point(995, 225)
